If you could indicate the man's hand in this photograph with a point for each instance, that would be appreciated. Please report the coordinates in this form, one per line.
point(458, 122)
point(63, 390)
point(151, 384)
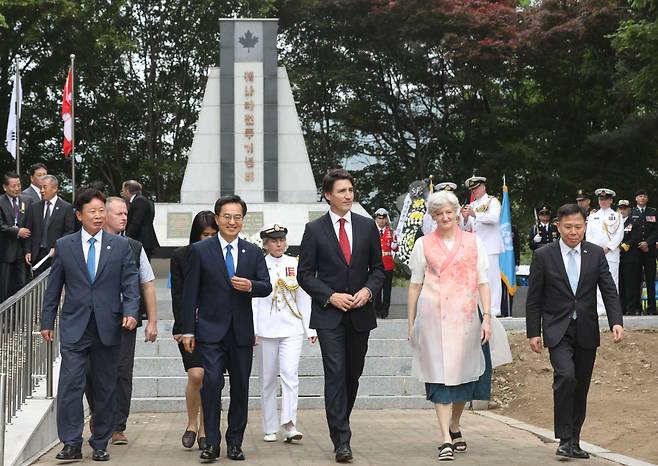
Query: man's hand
point(535, 344)
point(178, 337)
point(24, 233)
point(129, 323)
point(466, 212)
point(188, 344)
point(256, 340)
point(342, 301)
point(48, 335)
point(241, 284)
point(313, 339)
point(151, 331)
point(28, 258)
point(606, 250)
point(617, 333)
point(361, 298)
point(644, 247)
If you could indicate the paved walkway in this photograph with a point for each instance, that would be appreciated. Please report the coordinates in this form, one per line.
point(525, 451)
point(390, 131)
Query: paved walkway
point(381, 437)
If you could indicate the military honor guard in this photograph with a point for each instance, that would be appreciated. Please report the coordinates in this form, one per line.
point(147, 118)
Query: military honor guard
point(584, 200)
point(389, 246)
point(641, 259)
point(482, 216)
point(543, 232)
point(281, 323)
point(605, 228)
point(624, 209)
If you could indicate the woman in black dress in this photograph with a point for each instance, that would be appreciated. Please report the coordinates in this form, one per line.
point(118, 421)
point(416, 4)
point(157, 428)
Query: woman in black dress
point(203, 227)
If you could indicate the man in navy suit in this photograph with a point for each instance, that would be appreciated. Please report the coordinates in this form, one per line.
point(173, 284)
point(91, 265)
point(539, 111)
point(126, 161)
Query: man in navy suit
point(340, 267)
point(561, 306)
point(102, 297)
point(222, 276)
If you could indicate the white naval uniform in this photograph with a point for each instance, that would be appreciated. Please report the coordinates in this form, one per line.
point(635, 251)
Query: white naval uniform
point(281, 338)
point(605, 227)
point(486, 225)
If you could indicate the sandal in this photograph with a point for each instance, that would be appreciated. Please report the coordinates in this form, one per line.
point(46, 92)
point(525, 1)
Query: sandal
point(458, 442)
point(446, 452)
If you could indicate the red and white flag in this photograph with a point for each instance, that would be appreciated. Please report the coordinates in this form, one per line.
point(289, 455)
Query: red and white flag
point(67, 110)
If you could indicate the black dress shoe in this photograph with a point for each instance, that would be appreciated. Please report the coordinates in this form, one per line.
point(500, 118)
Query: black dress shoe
point(564, 449)
point(343, 453)
point(577, 452)
point(69, 453)
point(235, 452)
point(209, 454)
point(189, 436)
point(100, 455)
point(202, 443)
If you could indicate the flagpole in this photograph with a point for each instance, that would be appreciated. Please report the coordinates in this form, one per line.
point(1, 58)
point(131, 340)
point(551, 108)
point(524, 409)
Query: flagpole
point(72, 128)
point(17, 112)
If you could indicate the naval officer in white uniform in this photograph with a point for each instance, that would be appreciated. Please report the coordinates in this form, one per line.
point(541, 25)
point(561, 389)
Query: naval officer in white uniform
point(605, 227)
point(482, 217)
point(281, 323)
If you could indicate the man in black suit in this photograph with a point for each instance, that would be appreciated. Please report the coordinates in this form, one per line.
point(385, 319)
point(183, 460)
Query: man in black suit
point(641, 257)
point(543, 232)
point(13, 207)
point(48, 220)
point(223, 274)
point(561, 305)
point(37, 171)
point(140, 217)
point(340, 267)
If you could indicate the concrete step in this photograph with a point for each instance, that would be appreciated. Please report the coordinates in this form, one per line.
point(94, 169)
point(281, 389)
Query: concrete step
point(166, 346)
point(177, 404)
point(145, 387)
point(375, 365)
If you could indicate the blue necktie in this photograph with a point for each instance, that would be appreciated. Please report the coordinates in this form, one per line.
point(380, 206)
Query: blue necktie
point(572, 273)
point(91, 260)
point(230, 267)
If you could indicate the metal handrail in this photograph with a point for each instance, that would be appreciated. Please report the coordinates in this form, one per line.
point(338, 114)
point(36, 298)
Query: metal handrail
point(26, 360)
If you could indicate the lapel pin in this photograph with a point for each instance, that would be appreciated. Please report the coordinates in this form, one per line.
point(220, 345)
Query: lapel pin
point(56, 207)
point(585, 251)
point(108, 246)
point(243, 251)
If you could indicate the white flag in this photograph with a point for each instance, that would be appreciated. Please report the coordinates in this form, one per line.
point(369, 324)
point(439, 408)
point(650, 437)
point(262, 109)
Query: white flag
point(14, 116)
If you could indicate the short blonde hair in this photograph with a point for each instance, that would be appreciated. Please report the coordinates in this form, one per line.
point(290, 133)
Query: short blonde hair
point(440, 200)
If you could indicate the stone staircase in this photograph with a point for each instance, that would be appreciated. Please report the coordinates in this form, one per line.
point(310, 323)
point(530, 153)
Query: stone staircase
point(159, 378)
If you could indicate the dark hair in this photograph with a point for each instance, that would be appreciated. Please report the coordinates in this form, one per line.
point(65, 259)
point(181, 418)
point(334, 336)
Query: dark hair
point(230, 199)
point(86, 196)
point(570, 209)
point(202, 220)
point(98, 184)
point(10, 176)
point(36, 166)
point(334, 175)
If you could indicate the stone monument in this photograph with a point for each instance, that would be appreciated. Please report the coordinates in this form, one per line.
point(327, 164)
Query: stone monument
point(248, 141)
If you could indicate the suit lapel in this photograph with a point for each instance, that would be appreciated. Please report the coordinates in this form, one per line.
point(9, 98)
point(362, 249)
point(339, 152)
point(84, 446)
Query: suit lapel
point(78, 255)
point(56, 208)
point(106, 250)
point(328, 227)
point(242, 253)
point(585, 264)
point(559, 262)
point(6, 206)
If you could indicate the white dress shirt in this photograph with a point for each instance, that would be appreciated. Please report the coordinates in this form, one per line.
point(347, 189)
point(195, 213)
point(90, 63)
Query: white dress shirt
point(97, 245)
point(564, 249)
point(348, 225)
point(234, 250)
point(51, 207)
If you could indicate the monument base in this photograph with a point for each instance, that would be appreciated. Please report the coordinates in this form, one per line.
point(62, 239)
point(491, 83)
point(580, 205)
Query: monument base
point(173, 221)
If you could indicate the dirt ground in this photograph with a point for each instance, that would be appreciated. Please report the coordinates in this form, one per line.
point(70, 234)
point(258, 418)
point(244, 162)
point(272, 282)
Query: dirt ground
point(622, 410)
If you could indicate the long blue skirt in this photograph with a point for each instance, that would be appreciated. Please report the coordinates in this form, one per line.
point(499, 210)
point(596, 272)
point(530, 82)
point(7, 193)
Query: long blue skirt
point(477, 390)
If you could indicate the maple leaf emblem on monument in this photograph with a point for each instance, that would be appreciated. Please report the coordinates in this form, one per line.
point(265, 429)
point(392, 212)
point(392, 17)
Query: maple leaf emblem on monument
point(248, 41)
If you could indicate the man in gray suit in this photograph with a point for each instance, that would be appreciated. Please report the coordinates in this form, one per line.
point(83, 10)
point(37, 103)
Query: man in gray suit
point(102, 297)
point(37, 171)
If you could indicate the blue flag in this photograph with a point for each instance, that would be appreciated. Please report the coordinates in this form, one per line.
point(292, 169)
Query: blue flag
point(506, 259)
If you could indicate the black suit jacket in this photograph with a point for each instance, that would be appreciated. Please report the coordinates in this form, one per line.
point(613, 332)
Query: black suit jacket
point(643, 229)
point(178, 268)
point(323, 270)
point(551, 302)
point(11, 248)
point(140, 222)
point(60, 224)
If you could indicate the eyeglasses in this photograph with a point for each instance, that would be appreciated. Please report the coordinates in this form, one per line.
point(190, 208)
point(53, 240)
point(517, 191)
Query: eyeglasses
point(229, 217)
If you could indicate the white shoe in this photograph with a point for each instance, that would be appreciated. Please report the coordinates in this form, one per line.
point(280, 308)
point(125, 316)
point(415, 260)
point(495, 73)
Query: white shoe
point(290, 435)
point(270, 437)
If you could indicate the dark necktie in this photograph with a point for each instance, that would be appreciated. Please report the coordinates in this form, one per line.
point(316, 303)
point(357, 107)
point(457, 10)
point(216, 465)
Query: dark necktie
point(44, 226)
point(344, 241)
point(230, 266)
point(381, 232)
point(14, 204)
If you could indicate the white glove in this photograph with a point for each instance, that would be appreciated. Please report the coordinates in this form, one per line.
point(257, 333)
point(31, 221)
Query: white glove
point(537, 238)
